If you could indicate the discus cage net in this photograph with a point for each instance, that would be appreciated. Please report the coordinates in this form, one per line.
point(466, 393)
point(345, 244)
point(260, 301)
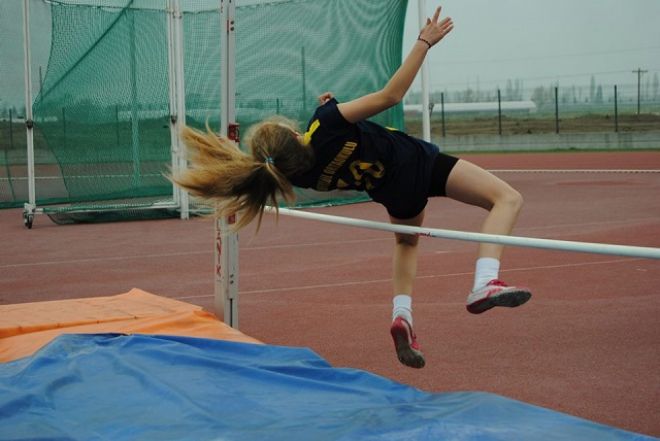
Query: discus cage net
point(111, 82)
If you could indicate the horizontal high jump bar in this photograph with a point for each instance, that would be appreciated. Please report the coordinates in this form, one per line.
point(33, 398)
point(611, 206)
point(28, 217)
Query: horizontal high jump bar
point(577, 170)
point(529, 242)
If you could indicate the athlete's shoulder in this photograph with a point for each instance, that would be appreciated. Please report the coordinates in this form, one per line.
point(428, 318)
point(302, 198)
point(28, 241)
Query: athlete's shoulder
point(329, 115)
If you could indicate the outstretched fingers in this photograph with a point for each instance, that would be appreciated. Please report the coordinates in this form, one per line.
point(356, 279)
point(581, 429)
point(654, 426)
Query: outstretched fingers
point(446, 26)
point(436, 15)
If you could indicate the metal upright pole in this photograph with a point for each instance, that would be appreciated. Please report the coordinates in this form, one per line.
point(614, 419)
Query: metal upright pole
point(180, 101)
point(226, 249)
point(426, 111)
point(171, 76)
point(30, 206)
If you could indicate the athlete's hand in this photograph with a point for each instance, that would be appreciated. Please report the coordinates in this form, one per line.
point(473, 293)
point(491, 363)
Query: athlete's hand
point(435, 30)
point(325, 97)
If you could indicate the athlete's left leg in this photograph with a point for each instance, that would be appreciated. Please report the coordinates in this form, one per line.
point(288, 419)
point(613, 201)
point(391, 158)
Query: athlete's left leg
point(404, 270)
point(473, 185)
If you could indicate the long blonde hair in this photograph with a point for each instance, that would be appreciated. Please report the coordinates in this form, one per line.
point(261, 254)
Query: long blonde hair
point(235, 181)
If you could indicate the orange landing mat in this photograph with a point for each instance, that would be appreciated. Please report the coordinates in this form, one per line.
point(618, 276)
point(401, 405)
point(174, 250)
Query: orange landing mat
point(26, 327)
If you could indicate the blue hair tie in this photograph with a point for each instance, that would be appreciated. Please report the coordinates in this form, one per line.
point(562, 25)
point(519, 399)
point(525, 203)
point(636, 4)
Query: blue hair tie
point(269, 160)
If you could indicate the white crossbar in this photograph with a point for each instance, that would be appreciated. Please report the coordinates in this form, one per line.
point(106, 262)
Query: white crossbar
point(529, 242)
point(577, 170)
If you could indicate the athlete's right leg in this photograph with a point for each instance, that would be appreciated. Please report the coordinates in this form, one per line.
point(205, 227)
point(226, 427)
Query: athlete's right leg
point(404, 270)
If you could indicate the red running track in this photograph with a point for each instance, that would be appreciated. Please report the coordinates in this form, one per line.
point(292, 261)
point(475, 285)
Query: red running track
point(588, 343)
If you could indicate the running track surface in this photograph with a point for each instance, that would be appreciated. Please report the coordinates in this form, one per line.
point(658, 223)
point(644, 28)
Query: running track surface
point(588, 343)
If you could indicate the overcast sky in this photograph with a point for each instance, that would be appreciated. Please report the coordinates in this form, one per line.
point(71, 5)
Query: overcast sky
point(541, 42)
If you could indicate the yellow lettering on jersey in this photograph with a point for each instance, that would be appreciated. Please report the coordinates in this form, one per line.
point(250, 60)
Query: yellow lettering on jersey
point(365, 172)
point(307, 137)
point(329, 171)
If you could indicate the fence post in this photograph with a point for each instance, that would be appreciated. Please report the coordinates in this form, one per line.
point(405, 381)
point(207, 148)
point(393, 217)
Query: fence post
point(442, 113)
point(117, 122)
point(11, 130)
point(304, 89)
point(64, 127)
point(499, 112)
point(41, 87)
point(6, 155)
point(556, 109)
point(616, 110)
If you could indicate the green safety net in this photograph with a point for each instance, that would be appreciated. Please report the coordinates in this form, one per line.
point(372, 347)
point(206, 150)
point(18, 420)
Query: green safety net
point(101, 107)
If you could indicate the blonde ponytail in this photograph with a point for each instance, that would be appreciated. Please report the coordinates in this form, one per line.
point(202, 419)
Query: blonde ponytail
point(235, 181)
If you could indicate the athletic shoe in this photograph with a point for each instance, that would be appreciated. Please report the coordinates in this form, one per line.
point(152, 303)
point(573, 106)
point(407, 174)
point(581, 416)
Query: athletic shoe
point(496, 293)
point(405, 343)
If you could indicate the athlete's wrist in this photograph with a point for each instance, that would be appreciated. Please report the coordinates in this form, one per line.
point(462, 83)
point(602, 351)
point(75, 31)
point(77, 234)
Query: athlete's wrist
point(424, 42)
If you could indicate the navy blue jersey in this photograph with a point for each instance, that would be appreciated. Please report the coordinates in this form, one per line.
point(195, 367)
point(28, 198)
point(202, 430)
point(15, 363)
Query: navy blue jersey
point(394, 168)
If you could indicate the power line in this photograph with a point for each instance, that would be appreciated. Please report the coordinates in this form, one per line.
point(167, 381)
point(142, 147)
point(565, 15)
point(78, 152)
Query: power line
point(550, 77)
point(547, 57)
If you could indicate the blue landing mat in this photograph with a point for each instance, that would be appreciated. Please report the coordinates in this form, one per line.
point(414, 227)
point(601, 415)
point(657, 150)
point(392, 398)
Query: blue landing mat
point(118, 387)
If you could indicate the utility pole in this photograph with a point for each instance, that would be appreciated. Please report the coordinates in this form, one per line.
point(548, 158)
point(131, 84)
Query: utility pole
point(639, 73)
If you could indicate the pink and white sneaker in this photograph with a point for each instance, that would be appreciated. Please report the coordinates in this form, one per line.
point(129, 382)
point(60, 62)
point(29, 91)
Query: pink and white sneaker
point(496, 293)
point(405, 343)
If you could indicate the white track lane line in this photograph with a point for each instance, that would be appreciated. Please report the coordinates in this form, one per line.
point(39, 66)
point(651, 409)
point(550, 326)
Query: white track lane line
point(184, 253)
point(104, 259)
point(431, 276)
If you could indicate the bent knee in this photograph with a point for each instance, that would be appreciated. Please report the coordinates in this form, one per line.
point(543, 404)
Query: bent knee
point(511, 199)
point(410, 240)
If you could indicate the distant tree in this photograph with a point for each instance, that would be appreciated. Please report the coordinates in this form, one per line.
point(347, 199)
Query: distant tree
point(592, 88)
point(518, 89)
point(599, 95)
point(656, 86)
point(574, 94)
point(469, 95)
point(539, 96)
point(508, 92)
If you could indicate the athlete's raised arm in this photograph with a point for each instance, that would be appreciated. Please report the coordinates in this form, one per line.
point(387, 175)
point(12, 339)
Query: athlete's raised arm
point(395, 89)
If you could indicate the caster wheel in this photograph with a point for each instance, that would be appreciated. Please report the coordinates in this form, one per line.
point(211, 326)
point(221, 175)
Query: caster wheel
point(28, 219)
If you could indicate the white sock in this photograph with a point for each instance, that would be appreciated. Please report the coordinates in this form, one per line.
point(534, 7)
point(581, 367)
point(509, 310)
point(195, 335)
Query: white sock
point(487, 269)
point(402, 307)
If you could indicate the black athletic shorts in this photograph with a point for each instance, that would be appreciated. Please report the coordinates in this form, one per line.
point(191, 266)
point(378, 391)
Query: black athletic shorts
point(415, 181)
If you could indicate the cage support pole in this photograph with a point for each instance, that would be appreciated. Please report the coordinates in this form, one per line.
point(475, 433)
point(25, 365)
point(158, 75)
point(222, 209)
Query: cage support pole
point(184, 200)
point(171, 77)
point(31, 205)
point(226, 239)
point(426, 102)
